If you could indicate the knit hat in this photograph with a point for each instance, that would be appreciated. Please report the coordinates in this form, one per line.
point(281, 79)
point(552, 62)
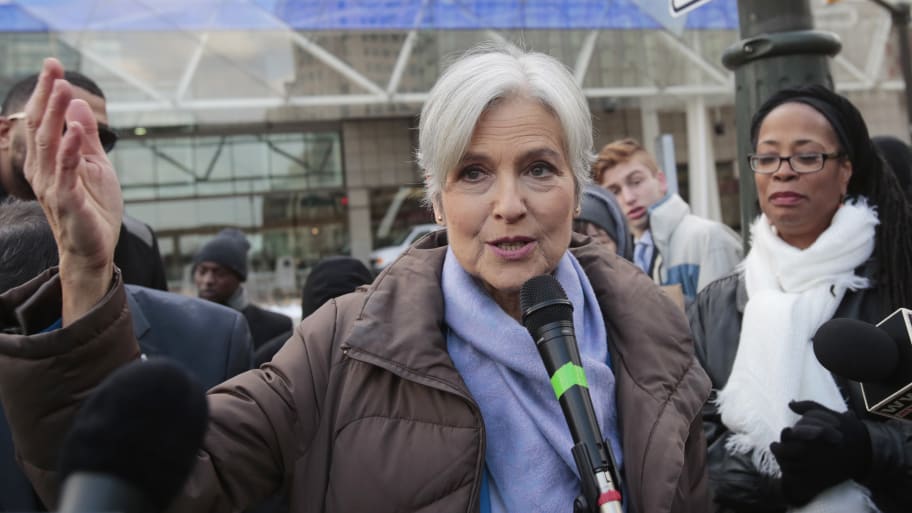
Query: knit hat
point(332, 277)
point(229, 249)
point(600, 208)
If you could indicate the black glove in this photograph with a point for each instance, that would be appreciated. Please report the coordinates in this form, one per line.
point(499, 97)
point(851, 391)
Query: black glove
point(822, 449)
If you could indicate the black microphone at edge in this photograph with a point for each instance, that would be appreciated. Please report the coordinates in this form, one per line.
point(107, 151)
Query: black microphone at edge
point(134, 441)
point(878, 357)
point(548, 315)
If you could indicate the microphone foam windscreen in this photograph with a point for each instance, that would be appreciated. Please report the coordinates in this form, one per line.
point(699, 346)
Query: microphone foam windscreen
point(542, 300)
point(856, 350)
point(143, 424)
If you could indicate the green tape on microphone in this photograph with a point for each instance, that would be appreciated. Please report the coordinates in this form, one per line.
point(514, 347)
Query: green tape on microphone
point(569, 375)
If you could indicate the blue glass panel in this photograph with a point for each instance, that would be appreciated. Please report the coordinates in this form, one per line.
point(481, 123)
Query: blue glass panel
point(718, 14)
point(14, 19)
point(313, 15)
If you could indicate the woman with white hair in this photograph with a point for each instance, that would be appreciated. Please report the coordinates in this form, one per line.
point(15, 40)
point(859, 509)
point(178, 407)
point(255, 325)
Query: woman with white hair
point(424, 392)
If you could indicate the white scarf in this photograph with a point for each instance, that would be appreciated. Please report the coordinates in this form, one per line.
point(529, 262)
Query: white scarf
point(791, 293)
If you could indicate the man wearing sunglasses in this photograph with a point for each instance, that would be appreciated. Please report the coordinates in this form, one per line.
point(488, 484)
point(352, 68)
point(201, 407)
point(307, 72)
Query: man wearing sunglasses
point(137, 252)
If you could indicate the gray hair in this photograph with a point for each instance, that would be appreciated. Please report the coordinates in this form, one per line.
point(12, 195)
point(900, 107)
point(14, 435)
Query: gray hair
point(27, 245)
point(482, 77)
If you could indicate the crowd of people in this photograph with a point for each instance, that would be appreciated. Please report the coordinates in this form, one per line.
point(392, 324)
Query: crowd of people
point(420, 389)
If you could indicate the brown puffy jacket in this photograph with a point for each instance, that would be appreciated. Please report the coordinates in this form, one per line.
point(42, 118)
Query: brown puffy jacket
point(363, 410)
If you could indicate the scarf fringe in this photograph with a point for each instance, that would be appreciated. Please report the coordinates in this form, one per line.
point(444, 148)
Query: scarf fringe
point(742, 443)
point(763, 459)
point(854, 283)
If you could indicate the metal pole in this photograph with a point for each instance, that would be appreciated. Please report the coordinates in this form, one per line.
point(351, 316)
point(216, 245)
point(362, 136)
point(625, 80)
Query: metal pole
point(901, 24)
point(899, 14)
point(779, 48)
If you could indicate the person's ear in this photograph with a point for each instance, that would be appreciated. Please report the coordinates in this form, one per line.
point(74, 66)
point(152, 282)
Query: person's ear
point(438, 213)
point(845, 176)
point(663, 182)
point(5, 133)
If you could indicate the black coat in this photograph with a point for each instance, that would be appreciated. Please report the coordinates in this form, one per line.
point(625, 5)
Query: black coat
point(715, 319)
point(138, 257)
point(266, 325)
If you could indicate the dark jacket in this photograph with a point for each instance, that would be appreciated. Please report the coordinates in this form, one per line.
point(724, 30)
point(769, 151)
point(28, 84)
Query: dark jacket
point(209, 340)
point(266, 325)
point(137, 255)
point(363, 410)
point(715, 319)
point(330, 277)
point(16, 494)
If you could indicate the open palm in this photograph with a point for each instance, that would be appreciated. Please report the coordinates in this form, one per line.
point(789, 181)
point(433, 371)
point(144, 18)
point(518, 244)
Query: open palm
point(75, 183)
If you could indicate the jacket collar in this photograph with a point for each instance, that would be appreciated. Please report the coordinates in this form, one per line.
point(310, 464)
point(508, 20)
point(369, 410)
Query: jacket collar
point(741, 293)
point(406, 335)
point(140, 322)
point(664, 218)
point(400, 325)
point(616, 282)
point(238, 299)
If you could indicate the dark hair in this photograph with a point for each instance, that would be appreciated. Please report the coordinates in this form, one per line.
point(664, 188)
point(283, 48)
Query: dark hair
point(898, 155)
point(871, 178)
point(27, 245)
point(20, 92)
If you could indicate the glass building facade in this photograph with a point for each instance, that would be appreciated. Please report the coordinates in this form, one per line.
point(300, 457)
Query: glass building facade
point(295, 120)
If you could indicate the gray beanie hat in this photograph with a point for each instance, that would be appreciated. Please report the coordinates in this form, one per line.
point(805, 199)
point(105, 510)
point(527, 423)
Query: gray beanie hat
point(599, 207)
point(229, 249)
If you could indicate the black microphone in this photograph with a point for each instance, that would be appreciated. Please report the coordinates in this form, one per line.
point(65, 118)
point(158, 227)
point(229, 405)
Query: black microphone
point(134, 441)
point(878, 357)
point(548, 315)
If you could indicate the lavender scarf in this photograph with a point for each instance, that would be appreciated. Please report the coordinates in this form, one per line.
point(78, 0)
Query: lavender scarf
point(528, 442)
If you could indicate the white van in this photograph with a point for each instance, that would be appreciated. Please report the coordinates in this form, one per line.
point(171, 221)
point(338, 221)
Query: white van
point(382, 257)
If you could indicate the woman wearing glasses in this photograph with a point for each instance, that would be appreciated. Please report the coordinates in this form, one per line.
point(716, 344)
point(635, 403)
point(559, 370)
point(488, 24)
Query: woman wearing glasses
point(833, 240)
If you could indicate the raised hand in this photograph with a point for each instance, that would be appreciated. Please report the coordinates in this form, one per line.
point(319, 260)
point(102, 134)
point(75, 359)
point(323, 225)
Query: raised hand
point(76, 186)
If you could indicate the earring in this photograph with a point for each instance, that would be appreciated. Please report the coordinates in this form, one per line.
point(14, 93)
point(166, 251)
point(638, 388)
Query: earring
point(439, 219)
point(577, 211)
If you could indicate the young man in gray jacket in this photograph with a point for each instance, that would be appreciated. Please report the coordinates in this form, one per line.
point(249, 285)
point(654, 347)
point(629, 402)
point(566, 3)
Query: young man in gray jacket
point(672, 245)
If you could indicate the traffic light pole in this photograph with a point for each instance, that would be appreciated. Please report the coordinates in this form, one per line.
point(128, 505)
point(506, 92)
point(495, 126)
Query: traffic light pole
point(779, 48)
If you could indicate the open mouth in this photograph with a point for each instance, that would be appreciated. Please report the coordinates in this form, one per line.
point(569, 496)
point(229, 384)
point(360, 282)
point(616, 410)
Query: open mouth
point(512, 248)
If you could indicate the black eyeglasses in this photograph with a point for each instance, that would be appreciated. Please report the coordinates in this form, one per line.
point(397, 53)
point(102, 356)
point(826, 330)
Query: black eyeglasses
point(106, 134)
point(769, 163)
